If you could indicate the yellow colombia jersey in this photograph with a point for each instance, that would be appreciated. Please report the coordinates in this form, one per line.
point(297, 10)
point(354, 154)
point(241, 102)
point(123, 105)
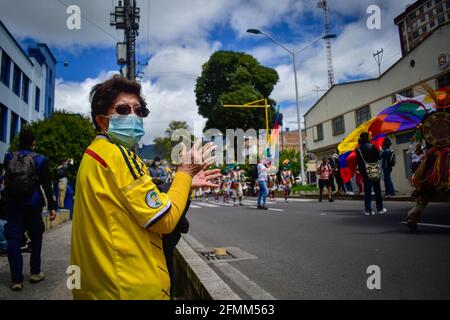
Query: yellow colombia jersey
point(116, 205)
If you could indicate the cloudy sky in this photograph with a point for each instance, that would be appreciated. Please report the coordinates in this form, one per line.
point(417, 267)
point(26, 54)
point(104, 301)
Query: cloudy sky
point(178, 36)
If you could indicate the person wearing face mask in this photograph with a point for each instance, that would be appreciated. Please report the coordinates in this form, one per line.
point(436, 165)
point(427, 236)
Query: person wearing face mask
point(120, 216)
point(157, 172)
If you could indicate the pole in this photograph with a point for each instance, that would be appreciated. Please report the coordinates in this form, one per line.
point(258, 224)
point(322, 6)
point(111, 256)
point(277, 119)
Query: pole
point(300, 138)
point(129, 40)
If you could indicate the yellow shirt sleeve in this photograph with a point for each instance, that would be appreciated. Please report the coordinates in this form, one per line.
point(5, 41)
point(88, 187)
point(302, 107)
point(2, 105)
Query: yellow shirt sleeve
point(178, 195)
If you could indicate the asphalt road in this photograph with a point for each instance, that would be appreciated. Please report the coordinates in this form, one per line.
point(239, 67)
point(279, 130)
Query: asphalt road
point(311, 250)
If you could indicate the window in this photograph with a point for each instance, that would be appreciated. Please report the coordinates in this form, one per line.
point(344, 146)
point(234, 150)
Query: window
point(37, 99)
point(439, 9)
point(338, 125)
point(432, 23)
point(17, 77)
point(415, 34)
point(424, 29)
point(436, 2)
point(428, 5)
point(447, 4)
point(25, 88)
point(13, 127)
point(6, 69)
point(404, 137)
point(441, 19)
point(443, 81)
point(362, 115)
point(3, 122)
point(408, 93)
point(413, 15)
point(319, 129)
point(423, 18)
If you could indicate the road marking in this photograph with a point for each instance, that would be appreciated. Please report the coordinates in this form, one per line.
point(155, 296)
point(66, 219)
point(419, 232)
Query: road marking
point(431, 225)
point(276, 209)
point(194, 206)
point(209, 205)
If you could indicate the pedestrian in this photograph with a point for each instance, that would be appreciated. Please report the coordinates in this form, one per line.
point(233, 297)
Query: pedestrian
point(331, 178)
point(119, 214)
point(324, 171)
point(26, 173)
point(157, 171)
point(262, 184)
point(387, 163)
point(236, 179)
point(61, 175)
point(287, 179)
point(367, 156)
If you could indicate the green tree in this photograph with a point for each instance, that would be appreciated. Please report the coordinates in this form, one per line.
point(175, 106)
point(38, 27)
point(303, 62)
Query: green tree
point(292, 155)
point(62, 136)
point(234, 78)
point(164, 144)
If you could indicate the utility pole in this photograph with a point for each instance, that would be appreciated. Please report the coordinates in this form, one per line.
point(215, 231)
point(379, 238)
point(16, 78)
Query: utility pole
point(126, 17)
point(378, 56)
point(324, 5)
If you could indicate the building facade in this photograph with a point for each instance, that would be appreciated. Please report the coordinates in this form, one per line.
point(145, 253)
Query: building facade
point(27, 86)
point(344, 106)
point(419, 20)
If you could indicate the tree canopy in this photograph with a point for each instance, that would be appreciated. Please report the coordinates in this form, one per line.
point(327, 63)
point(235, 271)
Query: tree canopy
point(62, 136)
point(234, 78)
point(164, 144)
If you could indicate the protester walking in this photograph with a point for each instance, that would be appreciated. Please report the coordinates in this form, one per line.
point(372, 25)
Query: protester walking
point(367, 156)
point(387, 163)
point(263, 178)
point(26, 172)
point(324, 171)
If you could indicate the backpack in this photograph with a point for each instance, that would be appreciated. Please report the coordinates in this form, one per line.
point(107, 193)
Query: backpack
point(373, 169)
point(392, 159)
point(21, 179)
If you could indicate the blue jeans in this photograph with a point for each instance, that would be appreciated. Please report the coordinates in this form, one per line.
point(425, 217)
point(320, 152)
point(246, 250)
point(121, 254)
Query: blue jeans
point(349, 186)
point(388, 185)
point(23, 218)
point(262, 192)
point(376, 185)
point(3, 242)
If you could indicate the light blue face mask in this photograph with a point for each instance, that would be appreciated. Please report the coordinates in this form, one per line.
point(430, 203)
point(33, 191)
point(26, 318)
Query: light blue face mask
point(125, 130)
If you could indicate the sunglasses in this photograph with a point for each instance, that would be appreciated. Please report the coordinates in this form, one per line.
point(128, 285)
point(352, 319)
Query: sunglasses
point(125, 109)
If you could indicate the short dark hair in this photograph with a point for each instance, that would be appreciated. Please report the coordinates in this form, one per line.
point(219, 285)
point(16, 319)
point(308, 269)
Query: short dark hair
point(103, 95)
point(26, 139)
point(364, 137)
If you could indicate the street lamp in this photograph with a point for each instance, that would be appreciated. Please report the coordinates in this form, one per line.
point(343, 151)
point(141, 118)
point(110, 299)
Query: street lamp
point(293, 54)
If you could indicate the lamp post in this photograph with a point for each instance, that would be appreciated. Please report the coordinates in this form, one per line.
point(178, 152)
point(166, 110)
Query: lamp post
point(293, 54)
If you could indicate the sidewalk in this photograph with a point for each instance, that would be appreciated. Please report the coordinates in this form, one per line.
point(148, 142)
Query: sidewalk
point(55, 260)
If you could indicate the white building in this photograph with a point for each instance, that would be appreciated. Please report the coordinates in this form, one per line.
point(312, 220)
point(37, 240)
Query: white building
point(344, 106)
point(27, 86)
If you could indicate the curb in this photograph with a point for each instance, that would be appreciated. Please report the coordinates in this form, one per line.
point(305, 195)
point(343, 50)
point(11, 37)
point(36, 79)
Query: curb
point(196, 279)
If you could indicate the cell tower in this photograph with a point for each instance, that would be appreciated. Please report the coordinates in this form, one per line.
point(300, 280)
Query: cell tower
point(323, 5)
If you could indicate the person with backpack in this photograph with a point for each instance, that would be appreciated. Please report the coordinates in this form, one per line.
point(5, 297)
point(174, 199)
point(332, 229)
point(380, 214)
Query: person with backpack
point(324, 172)
point(367, 156)
point(387, 163)
point(26, 172)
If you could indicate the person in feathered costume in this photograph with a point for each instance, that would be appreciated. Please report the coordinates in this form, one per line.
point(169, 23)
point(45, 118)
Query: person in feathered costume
point(432, 176)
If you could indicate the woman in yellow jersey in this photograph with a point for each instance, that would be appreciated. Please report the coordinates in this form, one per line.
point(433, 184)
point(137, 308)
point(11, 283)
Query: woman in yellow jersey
point(119, 214)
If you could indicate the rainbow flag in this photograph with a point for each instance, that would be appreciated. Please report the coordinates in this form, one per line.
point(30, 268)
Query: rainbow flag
point(404, 115)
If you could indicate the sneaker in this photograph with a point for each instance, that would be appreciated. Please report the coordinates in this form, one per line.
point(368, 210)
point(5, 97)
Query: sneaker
point(369, 213)
point(35, 278)
point(320, 199)
point(331, 200)
point(259, 207)
point(388, 196)
point(16, 286)
point(241, 204)
point(265, 208)
point(382, 211)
